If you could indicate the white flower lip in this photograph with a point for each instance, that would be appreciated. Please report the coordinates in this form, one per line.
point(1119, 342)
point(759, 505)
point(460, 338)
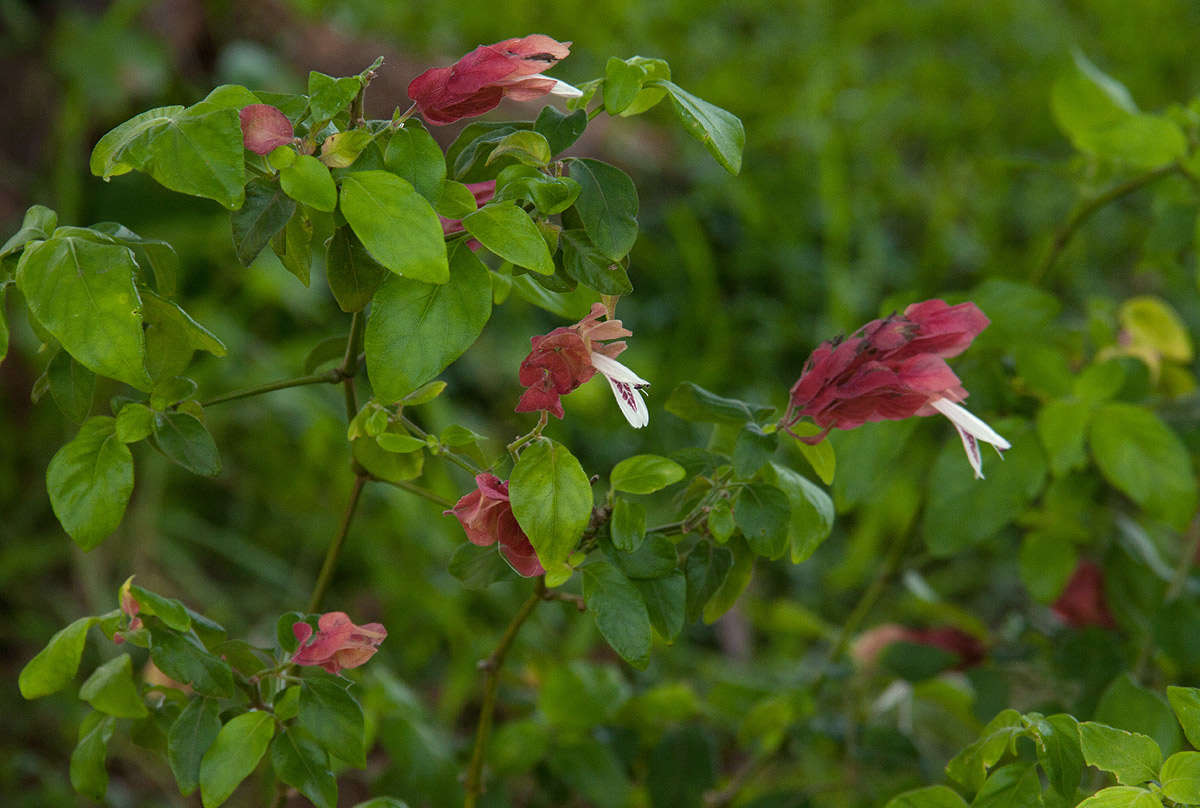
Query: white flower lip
point(972, 430)
point(562, 88)
point(626, 386)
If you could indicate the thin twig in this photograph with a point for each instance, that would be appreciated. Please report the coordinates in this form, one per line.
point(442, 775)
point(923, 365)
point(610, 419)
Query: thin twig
point(492, 665)
point(335, 546)
point(328, 377)
point(413, 488)
point(462, 462)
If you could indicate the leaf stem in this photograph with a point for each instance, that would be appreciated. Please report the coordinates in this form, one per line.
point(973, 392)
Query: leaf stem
point(533, 434)
point(412, 488)
point(491, 665)
point(454, 457)
point(1083, 212)
point(349, 367)
point(335, 546)
point(328, 377)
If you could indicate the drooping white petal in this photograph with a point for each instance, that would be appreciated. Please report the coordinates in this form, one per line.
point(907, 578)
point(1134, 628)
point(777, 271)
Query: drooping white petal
point(626, 386)
point(972, 430)
point(565, 90)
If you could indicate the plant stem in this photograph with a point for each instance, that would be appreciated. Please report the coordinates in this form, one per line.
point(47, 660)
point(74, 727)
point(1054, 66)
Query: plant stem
point(1183, 567)
point(1082, 213)
point(492, 665)
point(349, 367)
point(454, 457)
point(328, 377)
point(412, 488)
point(335, 547)
point(533, 434)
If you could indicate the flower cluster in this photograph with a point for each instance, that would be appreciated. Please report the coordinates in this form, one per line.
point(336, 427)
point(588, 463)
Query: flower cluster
point(894, 368)
point(478, 81)
point(567, 357)
point(487, 517)
point(338, 644)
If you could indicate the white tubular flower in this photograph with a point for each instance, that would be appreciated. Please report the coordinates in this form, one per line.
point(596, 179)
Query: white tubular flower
point(626, 386)
point(972, 430)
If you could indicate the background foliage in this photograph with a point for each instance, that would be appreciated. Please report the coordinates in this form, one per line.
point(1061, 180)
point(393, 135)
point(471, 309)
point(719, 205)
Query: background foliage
point(895, 153)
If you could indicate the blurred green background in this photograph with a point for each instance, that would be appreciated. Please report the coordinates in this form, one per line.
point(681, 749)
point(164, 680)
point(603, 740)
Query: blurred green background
point(895, 151)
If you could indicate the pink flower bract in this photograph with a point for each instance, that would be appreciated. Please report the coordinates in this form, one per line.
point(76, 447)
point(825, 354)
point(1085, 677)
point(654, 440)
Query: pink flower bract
point(264, 128)
point(475, 83)
point(1082, 602)
point(486, 516)
point(338, 644)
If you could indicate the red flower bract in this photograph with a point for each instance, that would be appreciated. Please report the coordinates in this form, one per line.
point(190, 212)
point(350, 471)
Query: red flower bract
point(476, 82)
point(486, 516)
point(869, 645)
point(1082, 602)
point(889, 369)
point(264, 128)
point(339, 644)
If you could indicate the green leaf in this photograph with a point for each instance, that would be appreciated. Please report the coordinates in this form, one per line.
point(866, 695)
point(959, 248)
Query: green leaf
point(592, 770)
point(72, 386)
point(304, 766)
point(186, 661)
point(551, 498)
point(396, 224)
point(648, 96)
point(721, 132)
point(395, 442)
point(1180, 777)
point(928, 797)
point(3, 323)
point(453, 435)
point(454, 200)
point(88, 775)
point(1151, 321)
point(308, 181)
point(587, 265)
point(327, 96)
point(693, 403)
point(1121, 797)
point(654, 558)
point(83, 293)
point(154, 253)
point(110, 689)
point(55, 665)
point(134, 422)
point(353, 275)
point(1185, 701)
point(666, 603)
point(970, 766)
point(415, 330)
point(1084, 99)
point(169, 610)
point(37, 225)
point(235, 753)
point(618, 609)
point(184, 439)
point(387, 465)
point(172, 337)
point(508, 231)
point(607, 206)
point(1134, 758)
point(479, 567)
point(190, 736)
point(763, 514)
point(752, 450)
point(1059, 753)
point(812, 512)
point(266, 211)
point(413, 154)
point(581, 695)
point(90, 481)
point(628, 526)
point(622, 83)
point(1062, 427)
point(1100, 381)
point(720, 521)
point(293, 246)
point(195, 151)
point(525, 146)
point(706, 569)
point(342, 150)
point(1140, 141)
point(1142, 457)
point(645, 474)
point(1129, 706)
point(560, 130)
point(732, 584)
point(1013, 786)
point(334, 719)
point(1047, 561)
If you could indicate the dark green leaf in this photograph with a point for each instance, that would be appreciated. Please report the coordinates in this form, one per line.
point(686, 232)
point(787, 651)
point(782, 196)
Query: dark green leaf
point(587, 265)
point(619, 611)
point(327, 96)
point(751, 451)
point(811, 510)
point(592, 770)
point(110, 689)
point(580, 696)
point(353, 275)
point(235, 753)
point(763, 514)
point(970, 766)
point(1046, 564)
point(1013, 786)
point(927, 797)
point(303, 765)
point(733, 583)
point(416, 329)
point(185, 661)
point(1062, 427)
point(551, 498)
point(283, 631)
point(693, 403)
point(172, 337)
point(333, 717)
point(37, 225)
point(1185, 701)
point(607, 206)
point(396, 224)
point(83, 292)
point(55, 665)
point(706, 569)
point(479, 567)
point(622, 83)
point(1129, 706)
point(265, 212)
point(628, 525)
point(1059, 753)
point(88, 775)
point(666, 602)
point(293, 245)
point(721, 132)
point(720, 521)
point(72, 386)
point(90, 481)
point(558, 129)
point(185, 440)
point(152, 253)
point(681, 768)
point(645, 474)
point(195, 151)
point(171, 391)
point(654, 558)
point(190, 736)
point(508, 231)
